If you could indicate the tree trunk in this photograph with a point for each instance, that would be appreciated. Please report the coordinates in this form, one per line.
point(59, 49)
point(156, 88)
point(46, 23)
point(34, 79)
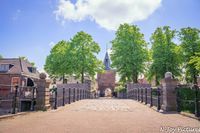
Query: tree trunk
point(194, 74)
point(156, 80)
point(194, 77)
point(135, 78)
point(82, 76)
point(63, 78)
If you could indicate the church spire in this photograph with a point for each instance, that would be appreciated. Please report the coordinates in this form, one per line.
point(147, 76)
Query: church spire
point(107, 61)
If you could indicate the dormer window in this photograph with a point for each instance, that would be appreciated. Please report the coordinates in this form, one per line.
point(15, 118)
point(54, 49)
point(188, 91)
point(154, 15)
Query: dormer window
point(32, 69)
point(5, 67)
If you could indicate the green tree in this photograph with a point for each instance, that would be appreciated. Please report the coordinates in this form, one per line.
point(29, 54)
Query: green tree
point(129, 52)
point(196, 61)
point(84, 52)
point(190, 42)
point(165, 55)
point(60, 61)
point(1, 56)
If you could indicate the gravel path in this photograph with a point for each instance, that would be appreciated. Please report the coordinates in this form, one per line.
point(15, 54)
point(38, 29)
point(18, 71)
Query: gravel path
point(98, 116)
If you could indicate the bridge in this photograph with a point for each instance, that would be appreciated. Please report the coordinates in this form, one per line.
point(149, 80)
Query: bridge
point(106, 115)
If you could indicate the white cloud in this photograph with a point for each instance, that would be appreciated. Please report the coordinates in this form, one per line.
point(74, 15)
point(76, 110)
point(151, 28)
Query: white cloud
point(108, 14)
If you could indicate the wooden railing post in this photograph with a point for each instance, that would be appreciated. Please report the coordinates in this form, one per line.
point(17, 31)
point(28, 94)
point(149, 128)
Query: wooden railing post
point(80, 94)
point(63, 97)
point(77, 94)
point(55, 102)
point(15, 100)
point(74, 95)
point(135, 94)
point(158, 99)
point(145, 95)
point(197, 114)
point(151, 98)
point(69, 95)
point(131, 93)
point(142, 95)
point(33, 99)
point(83, 93)
point(178, 100)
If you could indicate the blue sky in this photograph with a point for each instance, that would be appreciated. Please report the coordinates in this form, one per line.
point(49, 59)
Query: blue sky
point(30, 27)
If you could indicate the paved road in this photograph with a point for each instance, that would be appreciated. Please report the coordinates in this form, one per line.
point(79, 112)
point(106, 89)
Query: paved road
point(97, 116)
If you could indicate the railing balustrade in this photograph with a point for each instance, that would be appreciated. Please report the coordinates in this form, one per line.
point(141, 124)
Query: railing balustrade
point(59, 96)
point(146, 95)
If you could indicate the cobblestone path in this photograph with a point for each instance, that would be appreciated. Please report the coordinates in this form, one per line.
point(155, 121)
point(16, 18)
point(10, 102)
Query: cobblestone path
point(98, 116)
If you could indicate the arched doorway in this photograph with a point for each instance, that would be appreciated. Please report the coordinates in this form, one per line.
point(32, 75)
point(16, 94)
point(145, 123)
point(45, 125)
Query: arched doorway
point(108, 92)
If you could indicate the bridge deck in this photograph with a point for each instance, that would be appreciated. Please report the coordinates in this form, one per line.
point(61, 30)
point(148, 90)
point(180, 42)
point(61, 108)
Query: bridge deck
point(96, 116)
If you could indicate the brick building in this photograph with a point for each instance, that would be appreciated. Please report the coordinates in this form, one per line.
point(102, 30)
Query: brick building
point(16, 71)
point(106, 80)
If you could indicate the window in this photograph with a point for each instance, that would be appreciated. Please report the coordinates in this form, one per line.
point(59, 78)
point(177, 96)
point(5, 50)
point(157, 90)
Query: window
point(15, 81)
point(32, 69)
point(4, 67)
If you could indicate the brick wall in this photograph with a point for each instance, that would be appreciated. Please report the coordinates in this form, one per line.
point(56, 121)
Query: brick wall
point(5, 79)
point(106, 79)
point(72, 85)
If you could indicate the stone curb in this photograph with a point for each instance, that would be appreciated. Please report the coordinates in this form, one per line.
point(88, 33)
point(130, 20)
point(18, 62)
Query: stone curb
point(25, 113)
point(163, 112)
point(13, 115)
point(189, 115)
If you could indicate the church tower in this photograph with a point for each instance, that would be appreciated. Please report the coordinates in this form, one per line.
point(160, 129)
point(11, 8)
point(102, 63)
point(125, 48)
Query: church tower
point(106, 80)
point(107, 62)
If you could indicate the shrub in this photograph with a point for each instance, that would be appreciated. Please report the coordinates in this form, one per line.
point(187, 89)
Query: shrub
point(187, 99)
point(120, 89)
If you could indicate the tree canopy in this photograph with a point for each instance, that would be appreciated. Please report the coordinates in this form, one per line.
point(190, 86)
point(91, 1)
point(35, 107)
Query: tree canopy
point(129, 52)
point(190, 43)
point(59, 62)
point(196, 61)
point(85, 50)
point(130, 55)
point(75, 57)
point(1, 56)
point(165, 54)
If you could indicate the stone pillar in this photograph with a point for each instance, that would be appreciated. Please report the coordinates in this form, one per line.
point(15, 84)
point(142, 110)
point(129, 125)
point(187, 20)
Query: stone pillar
point(42, 97)
point(169, 93)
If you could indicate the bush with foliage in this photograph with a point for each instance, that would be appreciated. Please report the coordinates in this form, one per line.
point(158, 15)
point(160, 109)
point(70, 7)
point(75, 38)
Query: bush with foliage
point(187, 99)
point(120, 89)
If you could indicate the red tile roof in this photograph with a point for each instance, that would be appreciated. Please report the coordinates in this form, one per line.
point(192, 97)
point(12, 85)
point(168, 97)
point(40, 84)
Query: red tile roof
point(20, 66)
